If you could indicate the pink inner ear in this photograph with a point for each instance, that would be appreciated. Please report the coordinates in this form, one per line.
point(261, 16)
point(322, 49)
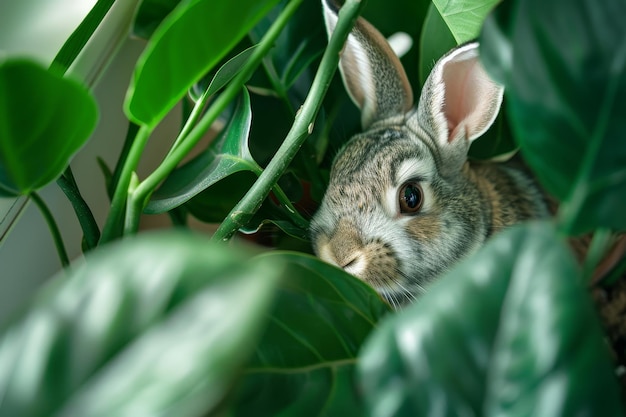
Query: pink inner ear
point(468, 103)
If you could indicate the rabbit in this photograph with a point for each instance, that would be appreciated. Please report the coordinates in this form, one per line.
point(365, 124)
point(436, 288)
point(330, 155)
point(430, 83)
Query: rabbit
point(403, 203)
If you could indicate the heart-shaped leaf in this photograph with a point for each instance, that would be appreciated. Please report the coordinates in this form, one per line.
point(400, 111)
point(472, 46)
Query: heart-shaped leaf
point(156, 325)
point(508, 332)
point(564, 70)
point(226, 155)
point(305, 362)
point(45, 119)
point(220, 25)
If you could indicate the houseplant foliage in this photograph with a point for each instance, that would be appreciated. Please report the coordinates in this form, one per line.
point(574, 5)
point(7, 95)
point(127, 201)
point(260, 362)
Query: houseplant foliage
point(174, 324)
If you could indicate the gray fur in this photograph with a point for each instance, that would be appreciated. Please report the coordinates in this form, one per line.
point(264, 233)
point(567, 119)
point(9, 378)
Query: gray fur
point(359, 227)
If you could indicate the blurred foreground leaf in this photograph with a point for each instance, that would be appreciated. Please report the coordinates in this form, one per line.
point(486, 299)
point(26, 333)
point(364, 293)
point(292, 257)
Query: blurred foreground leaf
point(509, 332)
point(44, 120)
point(564, 70)
point(156, 325)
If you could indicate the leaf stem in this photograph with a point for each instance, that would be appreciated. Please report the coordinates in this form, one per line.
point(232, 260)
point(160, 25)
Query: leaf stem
point(294, 215)
point(241, 214)
point(146, 187)
point(600, 243)
point(83, 212)
point(131, 221)
point(112, 227)
point(54, 228)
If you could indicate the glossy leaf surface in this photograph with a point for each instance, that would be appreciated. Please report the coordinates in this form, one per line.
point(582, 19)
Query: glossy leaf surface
point(226, 155)
point(566, 104)
point(157, 325)
point(44, 120)
point(210, 85)
point(508, 332)
point(436, 39)
point(464, 17)
point(220, 25)
point(305, 362)
point(150, 14)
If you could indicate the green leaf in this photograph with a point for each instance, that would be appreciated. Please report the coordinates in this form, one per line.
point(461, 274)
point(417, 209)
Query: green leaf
point(189, 42)
point(210, 85)
point(157, 325)
point(213, 204)
point(226, 155)
point(305, 362)
point(508, 332)
point(464, 17)
point(150, 14)
point(45, 119)
point(435, 40)
point(79, 38)
point(566, 104)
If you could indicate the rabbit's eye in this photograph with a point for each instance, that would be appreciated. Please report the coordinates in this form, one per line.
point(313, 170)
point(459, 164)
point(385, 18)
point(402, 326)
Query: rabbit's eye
point(411, 198)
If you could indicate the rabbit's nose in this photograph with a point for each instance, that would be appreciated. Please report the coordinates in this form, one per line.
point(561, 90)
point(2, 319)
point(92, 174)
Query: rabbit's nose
point(344, 248)
point(356, 264)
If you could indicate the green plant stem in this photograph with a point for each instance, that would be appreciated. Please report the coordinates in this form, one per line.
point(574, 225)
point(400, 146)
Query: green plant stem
point(600, 244)
point(131, 221)
point(54, 228)
point(131, 134)
point(281, 91)
point(120, 197)
point(241, 214)
point(294, 215)
point(143, 191)
point(83, 212)
point(191, 121)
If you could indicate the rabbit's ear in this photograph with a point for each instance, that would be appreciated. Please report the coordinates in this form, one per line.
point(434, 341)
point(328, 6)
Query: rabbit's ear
point(459, 101)
point(371, 71)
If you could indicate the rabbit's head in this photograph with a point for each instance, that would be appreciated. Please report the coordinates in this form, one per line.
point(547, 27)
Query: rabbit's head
point(401, 207)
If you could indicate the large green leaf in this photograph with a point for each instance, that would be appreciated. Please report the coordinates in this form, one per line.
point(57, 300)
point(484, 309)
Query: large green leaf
point(564, 70)
point(157, 325)
point(464, 17)
point(189, 42)
point(436, 39)
point(226, 155)
point(509, 332)
point(44, 120)
point(150, 14)
point(304, 364)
